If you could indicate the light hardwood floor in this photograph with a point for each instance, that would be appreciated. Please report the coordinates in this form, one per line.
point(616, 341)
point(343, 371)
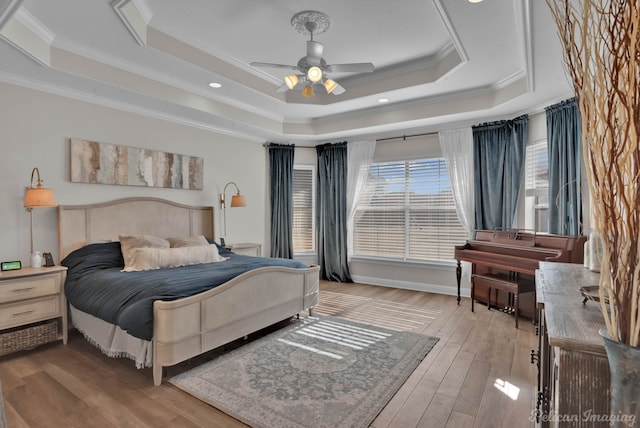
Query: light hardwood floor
point(478, 374)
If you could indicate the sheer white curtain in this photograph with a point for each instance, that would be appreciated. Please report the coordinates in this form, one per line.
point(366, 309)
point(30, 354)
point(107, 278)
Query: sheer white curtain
point(360, 154)
point(457, 150)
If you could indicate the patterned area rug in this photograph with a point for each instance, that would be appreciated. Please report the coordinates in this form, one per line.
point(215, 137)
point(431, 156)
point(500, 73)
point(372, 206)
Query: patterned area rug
point(320, 371)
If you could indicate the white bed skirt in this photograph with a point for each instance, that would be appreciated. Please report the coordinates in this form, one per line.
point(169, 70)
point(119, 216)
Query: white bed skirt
point(111, 339)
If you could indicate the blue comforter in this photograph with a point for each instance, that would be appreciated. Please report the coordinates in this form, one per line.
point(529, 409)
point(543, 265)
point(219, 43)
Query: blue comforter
point(96, 285)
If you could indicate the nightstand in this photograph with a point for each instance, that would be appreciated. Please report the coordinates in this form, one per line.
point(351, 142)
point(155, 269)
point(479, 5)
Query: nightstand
point(247, 249)
point(33, 307)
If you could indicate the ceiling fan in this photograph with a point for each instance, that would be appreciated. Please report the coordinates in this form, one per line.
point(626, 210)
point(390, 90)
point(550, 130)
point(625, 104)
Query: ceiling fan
point(312, 69)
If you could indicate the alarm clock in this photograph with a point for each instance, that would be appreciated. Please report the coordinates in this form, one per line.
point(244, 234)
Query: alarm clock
point(4, 266)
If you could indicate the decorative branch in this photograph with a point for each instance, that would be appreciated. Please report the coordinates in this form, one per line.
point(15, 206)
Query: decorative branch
point(602, 54)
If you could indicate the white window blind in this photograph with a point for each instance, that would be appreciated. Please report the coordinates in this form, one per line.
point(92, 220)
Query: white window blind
point(303, 209)
point(537, 169)
point(407, 212)
point(537, 185)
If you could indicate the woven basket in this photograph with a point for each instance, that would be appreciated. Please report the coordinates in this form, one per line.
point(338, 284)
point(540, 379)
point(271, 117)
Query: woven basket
point(29, 337)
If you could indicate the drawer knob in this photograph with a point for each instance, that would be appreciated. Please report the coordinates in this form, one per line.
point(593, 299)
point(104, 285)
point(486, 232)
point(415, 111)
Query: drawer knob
point(17, 314)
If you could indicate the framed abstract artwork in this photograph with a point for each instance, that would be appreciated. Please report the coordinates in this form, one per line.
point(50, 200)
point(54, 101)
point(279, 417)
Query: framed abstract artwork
point(102, 163)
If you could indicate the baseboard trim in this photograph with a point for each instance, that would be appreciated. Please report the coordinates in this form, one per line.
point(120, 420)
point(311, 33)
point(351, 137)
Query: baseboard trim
point(415, 286)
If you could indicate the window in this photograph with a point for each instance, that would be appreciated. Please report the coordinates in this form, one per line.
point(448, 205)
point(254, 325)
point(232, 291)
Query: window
point(407, 212)
point(303, 209)
point(537, 187)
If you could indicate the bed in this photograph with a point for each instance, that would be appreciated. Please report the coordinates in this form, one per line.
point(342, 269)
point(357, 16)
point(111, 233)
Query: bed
point(182, 327)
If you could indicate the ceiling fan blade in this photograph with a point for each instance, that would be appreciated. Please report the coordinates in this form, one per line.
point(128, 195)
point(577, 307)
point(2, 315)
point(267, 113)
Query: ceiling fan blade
point(314, 52)
point(356, 67)
point(338, 89)
point(270, 65)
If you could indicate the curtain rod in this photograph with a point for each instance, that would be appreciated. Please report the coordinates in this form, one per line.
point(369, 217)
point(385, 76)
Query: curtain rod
point(282, 144)
point(428, 134)
point(404, 137)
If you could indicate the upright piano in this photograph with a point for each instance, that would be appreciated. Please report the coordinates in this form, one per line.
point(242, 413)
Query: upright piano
point(507, 260)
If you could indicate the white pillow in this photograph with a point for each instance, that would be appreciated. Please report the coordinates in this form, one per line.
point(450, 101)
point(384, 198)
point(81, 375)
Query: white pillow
point(128, 243)
point(156, 258)
point(187, 241)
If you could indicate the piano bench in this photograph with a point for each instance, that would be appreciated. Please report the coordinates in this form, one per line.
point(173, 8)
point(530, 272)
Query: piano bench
point(503, 282)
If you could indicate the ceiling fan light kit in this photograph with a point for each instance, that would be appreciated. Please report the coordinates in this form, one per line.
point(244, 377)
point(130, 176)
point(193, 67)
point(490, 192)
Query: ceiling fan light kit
point(308, 91)
point(314, 74)
point(312, 69)
point(291, 81)
point(329, 85)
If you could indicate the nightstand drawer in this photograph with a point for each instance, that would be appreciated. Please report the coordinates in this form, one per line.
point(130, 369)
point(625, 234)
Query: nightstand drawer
point(25, 312)
point(29, 287)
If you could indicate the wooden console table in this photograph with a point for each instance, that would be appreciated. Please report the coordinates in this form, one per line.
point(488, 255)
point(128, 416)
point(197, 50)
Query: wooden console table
point(574, 378)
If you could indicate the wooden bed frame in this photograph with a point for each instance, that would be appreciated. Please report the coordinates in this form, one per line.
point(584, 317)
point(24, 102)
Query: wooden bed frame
point(193, 325)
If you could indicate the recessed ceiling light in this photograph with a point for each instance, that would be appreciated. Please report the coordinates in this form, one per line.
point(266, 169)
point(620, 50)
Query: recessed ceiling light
point(475, 1)
point(215, 85)
point(383, 100)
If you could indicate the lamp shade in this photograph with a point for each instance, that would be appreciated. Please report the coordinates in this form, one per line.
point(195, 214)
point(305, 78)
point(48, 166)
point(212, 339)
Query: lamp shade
point(330, 85)
point(308, 92)
point(39, 198)
point(291, 81)
point(238, 201)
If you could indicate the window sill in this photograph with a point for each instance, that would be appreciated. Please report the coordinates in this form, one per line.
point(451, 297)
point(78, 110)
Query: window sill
point(307, 254)
point(431, 264)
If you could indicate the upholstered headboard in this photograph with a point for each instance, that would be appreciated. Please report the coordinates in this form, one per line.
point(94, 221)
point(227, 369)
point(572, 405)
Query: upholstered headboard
point(82, 224)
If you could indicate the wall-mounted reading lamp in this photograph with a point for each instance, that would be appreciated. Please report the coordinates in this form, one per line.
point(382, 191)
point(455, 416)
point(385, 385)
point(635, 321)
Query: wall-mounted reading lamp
point(237, 200)
point(37, 197)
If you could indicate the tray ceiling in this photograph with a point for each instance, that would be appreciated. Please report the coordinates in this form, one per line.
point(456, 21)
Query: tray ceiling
point(441, 64)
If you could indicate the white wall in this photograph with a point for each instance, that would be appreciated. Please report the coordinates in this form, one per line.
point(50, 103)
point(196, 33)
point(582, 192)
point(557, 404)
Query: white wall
point(35, 128)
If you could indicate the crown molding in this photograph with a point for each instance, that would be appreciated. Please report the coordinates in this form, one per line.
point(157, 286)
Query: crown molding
point(311, 134)
point(524, 8)
point(36, 27)
point(28, 35)
point(135, 15)
point(7, 12)
point(155, 75)
point(124, 106)
point(446, 21)
point(509, 79)
point(431, 99)
point(394, 108)
point(124, 10)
